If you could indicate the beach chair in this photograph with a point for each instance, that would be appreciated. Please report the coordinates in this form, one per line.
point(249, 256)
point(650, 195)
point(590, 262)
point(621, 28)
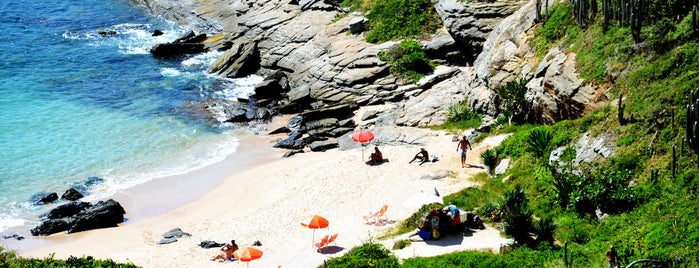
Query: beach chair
point(332, 239)
point(323, 242)
point(377, 217)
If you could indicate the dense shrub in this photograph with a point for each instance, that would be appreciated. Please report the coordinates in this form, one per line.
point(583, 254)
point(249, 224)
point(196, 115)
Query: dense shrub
point(397, 19)
point(10, 260)
point(407, 60)
point(539, 140)
point(367, 255)
point(512, 102)
point(490, 160)
point(460, 111)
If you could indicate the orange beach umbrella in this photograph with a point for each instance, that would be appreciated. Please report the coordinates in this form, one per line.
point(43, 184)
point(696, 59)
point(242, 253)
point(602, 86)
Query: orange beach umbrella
point(247, 254)
point(315, 222)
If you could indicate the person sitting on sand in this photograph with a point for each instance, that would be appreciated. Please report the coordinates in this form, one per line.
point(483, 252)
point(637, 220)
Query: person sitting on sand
point(226, 252)
point(423, 156)
point(376, 157)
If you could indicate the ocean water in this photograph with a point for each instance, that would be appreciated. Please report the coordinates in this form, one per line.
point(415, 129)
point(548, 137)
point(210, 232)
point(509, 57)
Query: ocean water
point(76, 104)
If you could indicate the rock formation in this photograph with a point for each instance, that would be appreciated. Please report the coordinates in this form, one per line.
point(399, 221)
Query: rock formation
point(325, 64)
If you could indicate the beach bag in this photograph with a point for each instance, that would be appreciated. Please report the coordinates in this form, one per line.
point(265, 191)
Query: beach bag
point(435, 234)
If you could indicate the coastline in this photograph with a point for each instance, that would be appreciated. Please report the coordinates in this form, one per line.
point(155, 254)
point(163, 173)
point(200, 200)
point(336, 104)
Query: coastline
point(266, 203)
point(161, 195)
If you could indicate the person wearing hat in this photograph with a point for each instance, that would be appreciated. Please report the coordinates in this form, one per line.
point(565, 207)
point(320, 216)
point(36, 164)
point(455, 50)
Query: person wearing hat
point(423, 156)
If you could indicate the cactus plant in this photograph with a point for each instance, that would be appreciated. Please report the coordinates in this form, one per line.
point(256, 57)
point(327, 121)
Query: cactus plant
point(691, 127)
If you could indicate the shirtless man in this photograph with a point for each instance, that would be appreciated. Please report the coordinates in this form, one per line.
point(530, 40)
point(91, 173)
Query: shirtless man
point(423, 156)
point(463, 143)
point(376, 157)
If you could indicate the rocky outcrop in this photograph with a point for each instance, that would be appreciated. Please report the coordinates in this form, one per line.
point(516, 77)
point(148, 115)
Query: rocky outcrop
point(82, 216)
point(470, 22)
point(327, 63)
point(190, 43)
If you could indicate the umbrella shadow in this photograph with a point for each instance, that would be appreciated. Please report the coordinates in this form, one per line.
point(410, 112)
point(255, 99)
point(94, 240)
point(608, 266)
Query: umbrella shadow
point(377, 164)
point(330, 249)
point(446, 240)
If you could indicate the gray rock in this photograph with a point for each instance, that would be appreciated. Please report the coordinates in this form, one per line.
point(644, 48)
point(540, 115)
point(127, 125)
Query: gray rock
point(320, 146)
point(436, 175)
point(502, 167)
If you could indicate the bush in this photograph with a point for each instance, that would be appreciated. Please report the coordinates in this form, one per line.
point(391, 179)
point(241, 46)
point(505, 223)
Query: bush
point(397, 19)
point(407, 60)
point(10, 260)
point(490, 159)
point(512, 102)
point(460, 111)
point(367, 255)
point(539, 140)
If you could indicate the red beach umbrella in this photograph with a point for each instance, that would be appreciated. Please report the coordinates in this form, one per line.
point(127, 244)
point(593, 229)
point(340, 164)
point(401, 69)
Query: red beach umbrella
point(247, 254)
point(362, 136)
point(315, 222)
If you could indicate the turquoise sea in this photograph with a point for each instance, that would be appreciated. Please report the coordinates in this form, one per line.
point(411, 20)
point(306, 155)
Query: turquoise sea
point(76, 104)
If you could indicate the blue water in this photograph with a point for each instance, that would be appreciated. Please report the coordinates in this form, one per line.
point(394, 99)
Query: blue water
point(75, 104)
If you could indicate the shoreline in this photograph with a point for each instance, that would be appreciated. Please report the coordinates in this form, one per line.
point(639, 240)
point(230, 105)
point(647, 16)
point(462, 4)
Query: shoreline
point(266, 203)
point(171, 192)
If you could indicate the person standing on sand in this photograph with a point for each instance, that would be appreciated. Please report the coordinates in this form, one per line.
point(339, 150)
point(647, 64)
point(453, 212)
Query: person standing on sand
point(463, 143)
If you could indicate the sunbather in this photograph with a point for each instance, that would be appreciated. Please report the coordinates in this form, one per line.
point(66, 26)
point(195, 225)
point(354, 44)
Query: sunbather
point(423, 156)
point(376, 157)
point(226, 251)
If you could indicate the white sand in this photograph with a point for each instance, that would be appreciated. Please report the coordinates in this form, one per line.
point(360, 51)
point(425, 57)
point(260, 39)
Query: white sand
point(267, 202)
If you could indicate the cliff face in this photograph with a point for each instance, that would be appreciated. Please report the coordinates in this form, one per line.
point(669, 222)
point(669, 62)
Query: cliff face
point(329, 58)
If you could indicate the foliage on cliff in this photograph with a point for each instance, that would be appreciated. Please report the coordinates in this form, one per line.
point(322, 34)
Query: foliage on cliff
point(397, 19)
point(407, 60)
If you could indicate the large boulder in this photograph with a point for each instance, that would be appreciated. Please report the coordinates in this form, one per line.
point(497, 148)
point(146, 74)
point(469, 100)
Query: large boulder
point(76, 217)
point(239, 61)
point(71, 195)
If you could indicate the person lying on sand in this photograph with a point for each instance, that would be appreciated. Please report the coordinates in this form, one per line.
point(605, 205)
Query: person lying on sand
point(226, 252)
point(423, 156)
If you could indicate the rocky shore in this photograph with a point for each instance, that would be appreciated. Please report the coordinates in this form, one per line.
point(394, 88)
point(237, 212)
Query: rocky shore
point(317, 65)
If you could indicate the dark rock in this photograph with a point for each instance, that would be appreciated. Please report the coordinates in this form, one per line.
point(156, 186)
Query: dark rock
point(104, 214)
point(44, 198)
point(280, 130)
point(107, 33)
point(239, 61)
point(311, 139)
point(191, 38)
point(84, 186)
point(67, 210)
point(294, 141)
point(257, 243)
point(295, 122)
point(172, 236)
point(157, 33)
point(71, 194)
point(210, 244)
point(14, 236)
point(170, 50)
point(337, 132)
point(51, 226)
point(341, 111)
point(236, 115)
point(292, 152)
point(321, 146)
point(322, 123)
point(81, 216)
point(269, 89)
point(299, 99)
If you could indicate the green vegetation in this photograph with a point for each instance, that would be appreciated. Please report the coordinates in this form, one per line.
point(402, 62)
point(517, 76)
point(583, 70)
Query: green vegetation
point(642, 199)
point(397, 19)
point(368, 255)
point(10, 260)
point(407, 60)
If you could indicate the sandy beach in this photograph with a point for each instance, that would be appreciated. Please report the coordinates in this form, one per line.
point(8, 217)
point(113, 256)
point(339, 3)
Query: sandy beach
point(267, 201)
